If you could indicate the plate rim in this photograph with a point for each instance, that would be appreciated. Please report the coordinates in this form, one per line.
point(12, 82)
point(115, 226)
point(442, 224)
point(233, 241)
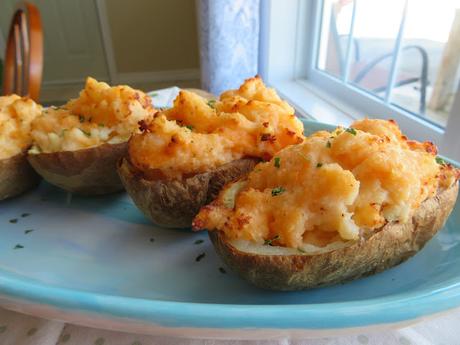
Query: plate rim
point(332, 315)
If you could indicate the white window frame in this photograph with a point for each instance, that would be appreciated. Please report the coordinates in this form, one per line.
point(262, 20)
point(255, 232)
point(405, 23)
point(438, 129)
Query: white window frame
point(287, 54)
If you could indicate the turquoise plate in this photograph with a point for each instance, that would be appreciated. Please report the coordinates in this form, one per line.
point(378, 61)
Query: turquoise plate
point(98, 261)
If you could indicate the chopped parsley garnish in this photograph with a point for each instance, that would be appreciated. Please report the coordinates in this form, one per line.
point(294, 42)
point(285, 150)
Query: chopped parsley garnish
point(190, 127)
point(63, 132)
point(319, 165)
point(328, 144)
point(153, 94)
point(212, 103)
point(25, 215)
point(270, 242)
point(81, 118)
point(101, 125)
point(198, 241)
point(441, 161)
point(277, 162)
point(351, 131)
point(199, 257)
point(13, 221)
point(222, 270)
point(88, 134)
point(28, 231)
point(18, 246)
point(277, 191)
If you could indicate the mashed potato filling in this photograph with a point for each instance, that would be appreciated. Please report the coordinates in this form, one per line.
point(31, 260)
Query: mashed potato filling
point(330, 188)
point(16, 115)
point(197, 135)
point(101, 114)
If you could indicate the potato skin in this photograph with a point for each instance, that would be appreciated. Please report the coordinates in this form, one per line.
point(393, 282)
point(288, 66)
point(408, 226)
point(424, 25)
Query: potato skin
point(16, 176)
point(389, 246)
point(89, 171)
point(174, 203)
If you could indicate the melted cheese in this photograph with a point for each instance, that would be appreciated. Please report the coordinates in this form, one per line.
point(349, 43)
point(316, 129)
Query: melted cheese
point(16, 115)
point(196, 135)
point(101, 114)
point(331, 187)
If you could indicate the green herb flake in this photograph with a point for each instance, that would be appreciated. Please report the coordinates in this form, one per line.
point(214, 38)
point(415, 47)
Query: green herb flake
point(222, 270)
point(88, 134)
point(200, 257)
point(277, 162)
point(277, 191)
point(351, 131)
point(101, 125)
point(319, 165)
point(18, 246)
point(338, 132)
point(328, 144)
point(153, 94)
point(25, 215)
point(28, 231)
point(13, 221)
point(212, 103)
point(198, 242)
point(440, 161)
point(63, 132)
point(190, 127)
point(270, 241)
point(81, 118)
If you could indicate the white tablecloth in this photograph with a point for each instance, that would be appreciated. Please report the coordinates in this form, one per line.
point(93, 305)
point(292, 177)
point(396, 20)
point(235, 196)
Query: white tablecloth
point(19, 329)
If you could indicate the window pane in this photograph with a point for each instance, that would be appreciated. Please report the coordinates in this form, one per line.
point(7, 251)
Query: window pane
point(376, 27)
point(428, 72)
point(335, 30)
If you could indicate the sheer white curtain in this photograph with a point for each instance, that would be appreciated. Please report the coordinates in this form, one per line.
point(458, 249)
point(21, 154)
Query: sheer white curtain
point(229, 39)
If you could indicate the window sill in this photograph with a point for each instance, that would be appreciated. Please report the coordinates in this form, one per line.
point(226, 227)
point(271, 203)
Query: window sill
point(312, 103)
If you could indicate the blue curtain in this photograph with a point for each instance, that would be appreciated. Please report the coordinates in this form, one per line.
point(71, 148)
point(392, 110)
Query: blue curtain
point(229, 41)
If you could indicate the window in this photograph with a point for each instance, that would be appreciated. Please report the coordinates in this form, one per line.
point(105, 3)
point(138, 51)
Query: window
point(338, 60)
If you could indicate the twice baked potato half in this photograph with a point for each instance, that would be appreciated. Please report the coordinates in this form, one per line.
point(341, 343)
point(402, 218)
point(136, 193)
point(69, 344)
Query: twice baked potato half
point(278, 268)
point(342, 205)
point(16, 115)
point(16, 176)
point(175, 202)
point(77, 146)
point(90, 171)
point(187, 153)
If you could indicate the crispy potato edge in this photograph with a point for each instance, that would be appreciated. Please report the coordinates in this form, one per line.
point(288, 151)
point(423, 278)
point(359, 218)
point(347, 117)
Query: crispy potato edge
point(174, 203)
point(16, 176)
point(89, 171)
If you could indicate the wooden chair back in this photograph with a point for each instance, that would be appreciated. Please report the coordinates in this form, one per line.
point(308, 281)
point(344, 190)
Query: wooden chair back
point(24, 53)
